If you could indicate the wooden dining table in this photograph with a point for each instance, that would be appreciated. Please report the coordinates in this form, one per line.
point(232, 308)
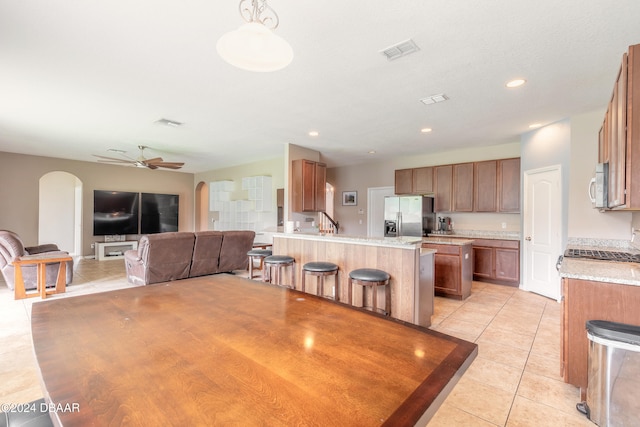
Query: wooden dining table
point(225, 350)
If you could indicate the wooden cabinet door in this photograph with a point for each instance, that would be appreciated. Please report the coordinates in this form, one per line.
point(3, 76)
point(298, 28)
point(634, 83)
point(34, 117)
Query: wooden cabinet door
point(463, 187)
point(404, 181)
point(485, 186)
point(447, 274)
point(443, 183)
point(423, 180)
point(308, 185)
point(617, 134)
point(483, 263)
point(320, 187)
point(509, 185)
point(507, 264)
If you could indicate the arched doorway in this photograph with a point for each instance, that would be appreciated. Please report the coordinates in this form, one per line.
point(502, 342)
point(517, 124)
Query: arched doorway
point(60, 211)
point(202, 206)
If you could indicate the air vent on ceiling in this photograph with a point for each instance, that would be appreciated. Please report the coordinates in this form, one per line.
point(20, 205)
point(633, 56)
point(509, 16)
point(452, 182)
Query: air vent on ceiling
point(399, 50)
point(167, 122)
point(433, 99)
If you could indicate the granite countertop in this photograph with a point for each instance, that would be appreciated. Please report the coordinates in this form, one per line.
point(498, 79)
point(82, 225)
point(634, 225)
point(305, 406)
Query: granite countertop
point(625, 273)
point(404, 242)
point(480, 234)
point(447, 241)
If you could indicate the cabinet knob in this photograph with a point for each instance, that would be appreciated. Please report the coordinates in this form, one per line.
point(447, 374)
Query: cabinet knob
point(528, 238)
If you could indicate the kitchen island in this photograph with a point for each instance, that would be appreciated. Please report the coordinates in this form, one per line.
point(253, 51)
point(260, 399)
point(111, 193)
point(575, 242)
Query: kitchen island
point(453, 265)
point(410, 266)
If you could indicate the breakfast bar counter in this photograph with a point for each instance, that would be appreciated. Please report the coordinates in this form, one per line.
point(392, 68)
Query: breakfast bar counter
point(410, 267)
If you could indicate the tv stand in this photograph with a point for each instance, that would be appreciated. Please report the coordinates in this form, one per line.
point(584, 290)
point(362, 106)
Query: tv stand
point(114, 250)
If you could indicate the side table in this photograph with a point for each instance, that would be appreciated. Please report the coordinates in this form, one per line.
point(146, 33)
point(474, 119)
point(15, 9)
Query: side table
point(41, 262)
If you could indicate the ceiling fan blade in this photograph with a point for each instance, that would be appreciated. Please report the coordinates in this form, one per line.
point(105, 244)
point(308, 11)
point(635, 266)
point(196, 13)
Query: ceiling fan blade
point(153, 161)
point(170, 165)
point(113, 159)
point(116, 162)
point(152, 166)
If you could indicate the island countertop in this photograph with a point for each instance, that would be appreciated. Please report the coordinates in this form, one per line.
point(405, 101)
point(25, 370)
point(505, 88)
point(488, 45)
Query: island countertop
point(403, 242)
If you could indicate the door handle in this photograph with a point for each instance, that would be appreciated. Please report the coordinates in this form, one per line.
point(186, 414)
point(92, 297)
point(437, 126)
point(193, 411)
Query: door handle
point(528, 238)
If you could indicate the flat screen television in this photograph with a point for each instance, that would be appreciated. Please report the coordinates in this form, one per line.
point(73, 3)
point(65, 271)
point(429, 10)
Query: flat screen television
point(115, 212)
point(158, 213)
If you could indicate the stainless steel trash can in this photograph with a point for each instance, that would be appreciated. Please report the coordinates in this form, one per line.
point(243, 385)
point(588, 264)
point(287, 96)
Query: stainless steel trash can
point(613, 396)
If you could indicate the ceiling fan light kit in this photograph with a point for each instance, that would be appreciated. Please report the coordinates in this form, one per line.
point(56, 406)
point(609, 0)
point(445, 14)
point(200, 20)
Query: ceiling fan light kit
point(254, 46)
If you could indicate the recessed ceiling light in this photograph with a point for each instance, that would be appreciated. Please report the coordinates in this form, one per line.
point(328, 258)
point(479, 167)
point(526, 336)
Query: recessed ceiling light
point(535, 125)
point(372, 152)
point(313, 133)
point(426, 130)
point(516, 83)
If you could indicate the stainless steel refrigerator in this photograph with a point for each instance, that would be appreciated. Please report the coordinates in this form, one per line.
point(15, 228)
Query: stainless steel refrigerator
point(408, 216)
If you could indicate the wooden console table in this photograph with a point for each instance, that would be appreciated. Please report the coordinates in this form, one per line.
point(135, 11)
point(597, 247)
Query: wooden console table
point(41, 262)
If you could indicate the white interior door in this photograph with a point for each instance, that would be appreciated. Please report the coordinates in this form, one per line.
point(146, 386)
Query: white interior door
point(375, 208)
point(542, 230)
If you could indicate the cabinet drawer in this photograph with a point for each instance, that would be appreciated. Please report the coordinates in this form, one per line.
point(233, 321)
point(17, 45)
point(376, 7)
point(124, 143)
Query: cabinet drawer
point(443, 249)
point(492, 243)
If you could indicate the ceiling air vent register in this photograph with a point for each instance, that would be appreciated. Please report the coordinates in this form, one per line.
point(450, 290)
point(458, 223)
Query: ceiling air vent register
point(400, 49)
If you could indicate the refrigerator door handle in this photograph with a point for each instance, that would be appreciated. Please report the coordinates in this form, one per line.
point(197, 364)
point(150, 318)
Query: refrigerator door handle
point(399, 224)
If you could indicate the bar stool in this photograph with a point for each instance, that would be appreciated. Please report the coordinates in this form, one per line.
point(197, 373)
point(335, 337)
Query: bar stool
point(370, 277)
point(260, 255)
point(321, 270)
point(278, 262)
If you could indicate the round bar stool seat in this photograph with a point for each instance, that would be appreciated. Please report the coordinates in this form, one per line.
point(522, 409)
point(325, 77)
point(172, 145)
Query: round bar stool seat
point(371, 277)
point(321, 269)
point(278, 262)
point(259, 254)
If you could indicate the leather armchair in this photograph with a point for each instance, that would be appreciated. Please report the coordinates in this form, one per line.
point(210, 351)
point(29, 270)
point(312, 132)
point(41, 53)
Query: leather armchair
point(11, 248)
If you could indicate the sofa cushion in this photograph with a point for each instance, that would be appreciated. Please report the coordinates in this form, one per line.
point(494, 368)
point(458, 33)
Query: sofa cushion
point(206, 253)
point(233, 254)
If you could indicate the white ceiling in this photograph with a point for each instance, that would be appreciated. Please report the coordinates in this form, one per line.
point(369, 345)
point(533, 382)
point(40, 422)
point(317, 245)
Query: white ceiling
point(80, 77)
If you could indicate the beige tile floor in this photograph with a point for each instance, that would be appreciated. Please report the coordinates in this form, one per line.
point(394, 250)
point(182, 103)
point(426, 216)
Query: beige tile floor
point(514, 381)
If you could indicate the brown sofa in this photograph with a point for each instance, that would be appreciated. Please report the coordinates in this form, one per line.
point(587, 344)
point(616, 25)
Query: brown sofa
point(170, 256)
point(11, 248)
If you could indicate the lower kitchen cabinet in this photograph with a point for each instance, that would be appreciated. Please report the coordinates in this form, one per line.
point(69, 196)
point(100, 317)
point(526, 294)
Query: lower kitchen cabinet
point(584, 300)
point(496, 261)
point(453, 269)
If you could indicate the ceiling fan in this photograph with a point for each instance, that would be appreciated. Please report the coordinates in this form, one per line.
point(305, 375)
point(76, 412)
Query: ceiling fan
point(141, 161)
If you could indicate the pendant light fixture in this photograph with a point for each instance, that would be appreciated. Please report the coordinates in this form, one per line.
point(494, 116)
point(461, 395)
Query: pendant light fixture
point(254, 46)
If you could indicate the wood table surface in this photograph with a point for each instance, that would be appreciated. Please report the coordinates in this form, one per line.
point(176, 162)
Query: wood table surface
point(224, 350)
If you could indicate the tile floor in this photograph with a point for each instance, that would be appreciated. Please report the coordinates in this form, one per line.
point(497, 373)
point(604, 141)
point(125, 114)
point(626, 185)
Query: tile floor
point(514, 381)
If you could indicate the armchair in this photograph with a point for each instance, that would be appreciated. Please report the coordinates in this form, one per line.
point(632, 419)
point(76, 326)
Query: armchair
point(12, 248)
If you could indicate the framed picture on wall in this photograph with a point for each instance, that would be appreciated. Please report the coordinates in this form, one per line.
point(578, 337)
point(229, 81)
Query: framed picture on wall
point(349, 198)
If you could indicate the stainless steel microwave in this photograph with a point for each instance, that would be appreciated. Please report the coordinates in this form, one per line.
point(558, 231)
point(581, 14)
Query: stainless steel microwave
point(598, 187)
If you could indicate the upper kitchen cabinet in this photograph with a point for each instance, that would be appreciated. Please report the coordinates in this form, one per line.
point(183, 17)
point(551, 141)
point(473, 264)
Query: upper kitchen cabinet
point(485, 186)
point(443, 186)
point(619, 137)
point(463, 187)
point(308, 183)
point(509, 185)
point(414, 181)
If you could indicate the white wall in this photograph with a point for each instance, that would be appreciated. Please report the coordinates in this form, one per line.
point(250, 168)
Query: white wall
point(584, 221)
point(57, 195)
